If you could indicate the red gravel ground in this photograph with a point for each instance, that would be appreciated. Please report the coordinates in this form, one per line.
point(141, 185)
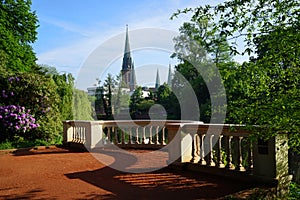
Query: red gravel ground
point(58, 173)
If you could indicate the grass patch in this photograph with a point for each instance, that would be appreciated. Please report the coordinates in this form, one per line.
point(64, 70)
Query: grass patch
point(19, 142)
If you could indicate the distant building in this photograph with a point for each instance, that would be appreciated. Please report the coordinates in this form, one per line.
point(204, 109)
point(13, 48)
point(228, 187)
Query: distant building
point(128, 76)
point(92, 90)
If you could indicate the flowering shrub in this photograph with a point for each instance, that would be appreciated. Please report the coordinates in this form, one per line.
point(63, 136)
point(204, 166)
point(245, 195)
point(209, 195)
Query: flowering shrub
point(49, 99)
point(16, 119)
point(37, 93)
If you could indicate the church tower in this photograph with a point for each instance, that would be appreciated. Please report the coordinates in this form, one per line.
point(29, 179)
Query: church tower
point(128, 74)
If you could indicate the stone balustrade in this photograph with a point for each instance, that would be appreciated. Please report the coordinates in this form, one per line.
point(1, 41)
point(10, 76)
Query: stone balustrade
point(137, 134)
point(219, 146)
point(220, 149)
point(123, 133)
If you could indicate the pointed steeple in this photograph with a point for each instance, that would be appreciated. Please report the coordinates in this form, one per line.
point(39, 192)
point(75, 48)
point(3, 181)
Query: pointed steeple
point(127, 62)
point(127, 47)
point(132, 78)
point(170, 76)
point(157, 82)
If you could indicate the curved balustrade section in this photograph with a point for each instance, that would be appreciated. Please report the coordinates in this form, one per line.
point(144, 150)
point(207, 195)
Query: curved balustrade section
point(150, 134)
point(211, 145)
point(213, 148)
point(219, 146)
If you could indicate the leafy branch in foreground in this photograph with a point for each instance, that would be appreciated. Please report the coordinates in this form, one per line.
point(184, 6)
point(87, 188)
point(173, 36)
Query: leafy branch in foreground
point(265, 90)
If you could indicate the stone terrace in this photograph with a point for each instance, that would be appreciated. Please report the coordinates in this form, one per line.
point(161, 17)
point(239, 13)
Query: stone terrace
point(64, 173)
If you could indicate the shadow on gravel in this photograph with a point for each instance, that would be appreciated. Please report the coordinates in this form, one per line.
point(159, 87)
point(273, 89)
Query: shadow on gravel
point(164, 184)
point(45, 150)
point(27, 195)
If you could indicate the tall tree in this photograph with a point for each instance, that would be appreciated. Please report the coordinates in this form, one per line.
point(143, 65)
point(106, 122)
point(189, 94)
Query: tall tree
point(268, 84)
point(18, 26)
point(109, 89)
point(135, 99)
point(167, 99)
point(199, 60)
point(82, 109)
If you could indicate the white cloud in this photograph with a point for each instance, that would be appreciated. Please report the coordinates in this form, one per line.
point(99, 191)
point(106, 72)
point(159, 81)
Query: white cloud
point(68, 26)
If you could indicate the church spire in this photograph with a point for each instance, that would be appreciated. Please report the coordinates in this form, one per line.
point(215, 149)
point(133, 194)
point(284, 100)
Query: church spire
point(127, 47)
point(127, 61)
point(157, 82)
point(132, 78)
point(170, 76)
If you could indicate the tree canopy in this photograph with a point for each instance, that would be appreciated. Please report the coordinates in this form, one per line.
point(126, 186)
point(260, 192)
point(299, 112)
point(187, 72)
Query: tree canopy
point(18, 26)
point(264, 90)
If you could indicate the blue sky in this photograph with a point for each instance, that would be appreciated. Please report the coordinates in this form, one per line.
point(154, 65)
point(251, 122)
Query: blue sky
point(71, 30)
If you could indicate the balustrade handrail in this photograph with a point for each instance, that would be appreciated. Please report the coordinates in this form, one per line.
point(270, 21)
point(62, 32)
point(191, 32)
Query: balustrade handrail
point(186, 125)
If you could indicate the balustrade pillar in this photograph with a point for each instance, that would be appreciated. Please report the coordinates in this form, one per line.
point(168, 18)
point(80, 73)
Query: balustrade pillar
point(163, 137)
point(93, 135)
point(210, 161)
point(122, 136)
point(157, 135)
point(229, 164)
point(129, 135)
point(109, 135)
point(150, 135)
point(137, 135)
point(68, 132)
point(174, 139)
point(220, 163)
point(202, 152)
point(144, 135)
point(195, 149)
point(239, 166)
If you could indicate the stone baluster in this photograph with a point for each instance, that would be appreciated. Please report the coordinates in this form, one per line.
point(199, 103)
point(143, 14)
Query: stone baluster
point(130, 135)
point(151, 135)
point(80, 134)
point(157, 135)
point(81, 131)
point(250, 157)
point(115, 132)
point(122, 136)
point(220, 163)
point(77, 134)
point(137, 135)
point(229, 164)
point(202, 153)
point(163, 136)
point(144, 135)
point(74, 133)
point(195, 149)
point(210, 156)
point(239, 166)
point(84, 135)
point(109, 134)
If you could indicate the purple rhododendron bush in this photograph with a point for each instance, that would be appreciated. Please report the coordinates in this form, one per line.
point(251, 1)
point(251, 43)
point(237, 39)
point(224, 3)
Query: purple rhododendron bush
point(16, 120)
point(29, 108)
